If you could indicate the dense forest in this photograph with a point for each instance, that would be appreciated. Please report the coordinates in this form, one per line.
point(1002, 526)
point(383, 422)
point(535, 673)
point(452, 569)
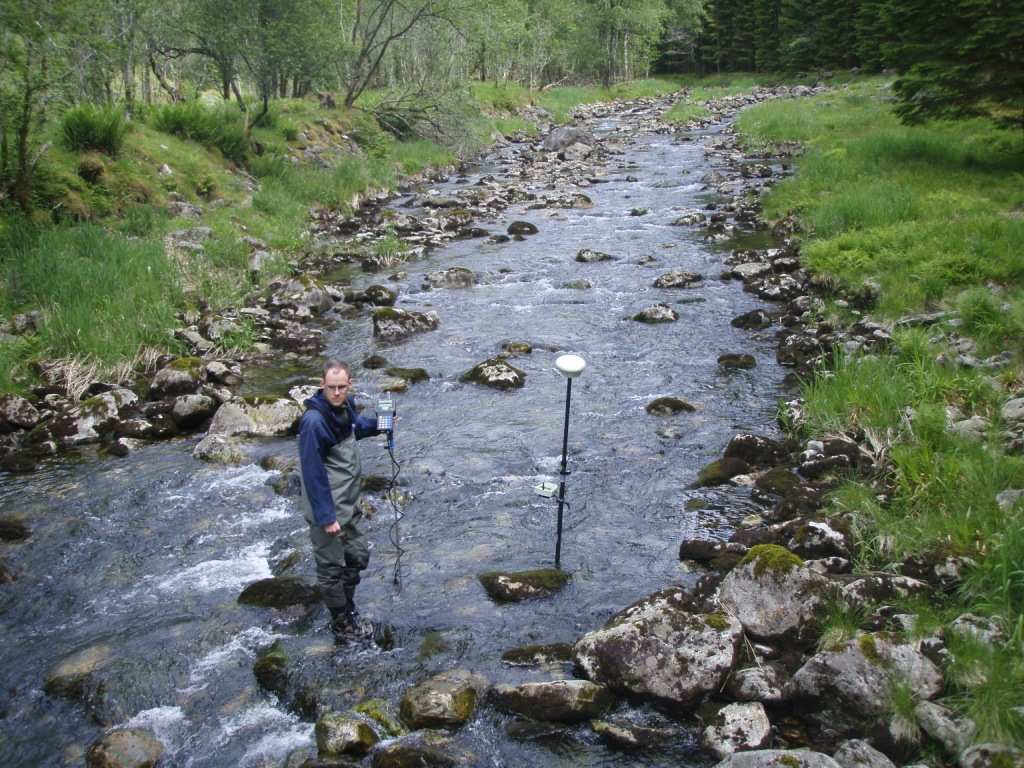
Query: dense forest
point(956, 58)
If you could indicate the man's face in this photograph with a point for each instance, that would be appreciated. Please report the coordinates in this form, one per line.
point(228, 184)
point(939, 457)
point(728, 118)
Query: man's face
point(336, 385)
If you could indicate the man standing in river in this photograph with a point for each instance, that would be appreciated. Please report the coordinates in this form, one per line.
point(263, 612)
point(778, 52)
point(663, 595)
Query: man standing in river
point(331, 475)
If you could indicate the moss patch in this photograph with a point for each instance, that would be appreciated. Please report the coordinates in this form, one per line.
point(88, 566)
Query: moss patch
point(869, 648)
point(378, 711)
point(771, 558)
point(717, 621)
point(193, 366)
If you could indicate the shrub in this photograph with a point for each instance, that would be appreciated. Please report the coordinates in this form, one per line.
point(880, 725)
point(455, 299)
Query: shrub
point(222, 128)
point(88, 126)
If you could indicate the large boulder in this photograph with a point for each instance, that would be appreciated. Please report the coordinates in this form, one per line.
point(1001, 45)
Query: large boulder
point(132, 748)
point(857, 753)
point(189, 411)
point(561, 138)
point(182, 376)
point(92, 417)
point(256, 417)
point(496, 373)
point(773, 594)
point(778, 758)
point(391, 324)
point(16, 413)
point(338, 735)
point(737, 728)
point(857, 677)
point(658, 647)
point(447, 700)
point(564, 701)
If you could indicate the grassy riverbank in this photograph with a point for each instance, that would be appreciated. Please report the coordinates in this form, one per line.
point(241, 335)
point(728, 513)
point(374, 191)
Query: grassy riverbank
point(92, 258)
point(935, 215)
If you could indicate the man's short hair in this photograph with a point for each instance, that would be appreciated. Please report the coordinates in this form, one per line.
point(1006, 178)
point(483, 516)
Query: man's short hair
point(332, 364)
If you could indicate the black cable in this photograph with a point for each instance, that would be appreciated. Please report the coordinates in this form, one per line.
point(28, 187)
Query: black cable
point(394, 534)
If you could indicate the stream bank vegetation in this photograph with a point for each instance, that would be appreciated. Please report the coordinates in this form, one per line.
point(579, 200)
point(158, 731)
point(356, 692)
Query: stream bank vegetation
point(933, 214)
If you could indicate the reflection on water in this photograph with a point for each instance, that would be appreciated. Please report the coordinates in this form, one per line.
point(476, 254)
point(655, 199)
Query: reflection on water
point(147, 554)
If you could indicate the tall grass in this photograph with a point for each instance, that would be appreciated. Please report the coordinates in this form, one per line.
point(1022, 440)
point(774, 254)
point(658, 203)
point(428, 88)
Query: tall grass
point(222, 128)
point(88, 126)
point(926, 210)
point(102, 296)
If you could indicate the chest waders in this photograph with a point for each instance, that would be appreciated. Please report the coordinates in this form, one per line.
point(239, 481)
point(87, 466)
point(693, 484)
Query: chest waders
point(341, 558)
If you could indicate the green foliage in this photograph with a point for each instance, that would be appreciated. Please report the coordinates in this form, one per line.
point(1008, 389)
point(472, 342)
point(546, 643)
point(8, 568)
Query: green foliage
point(103, 297)
point(88, 126)
point(222, 128)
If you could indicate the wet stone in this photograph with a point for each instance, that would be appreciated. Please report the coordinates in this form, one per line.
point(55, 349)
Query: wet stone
point(343, 735)
point(628, 736)
point(677, 278)
point(447, 700)
point(736, 360)
point(668, 406)
point(538, 655)
point(423, 749)
point(778, 480)
point(279, 592)
point(522, 228)
point(659, 313)
point(858, 753)
point(738, 728)
point(589, 256)
point(756, 450)
point(13, 529)
point(125, 749)
point(391, 324)
point(778, 758)
point(721, 471)
point(496, 373)
point(515, 586)
point(566, 701)
point(71, 677)
point(411, 375)
point(373, 362)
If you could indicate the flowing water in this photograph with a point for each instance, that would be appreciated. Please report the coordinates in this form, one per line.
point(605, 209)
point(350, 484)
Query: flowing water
point(145, 556)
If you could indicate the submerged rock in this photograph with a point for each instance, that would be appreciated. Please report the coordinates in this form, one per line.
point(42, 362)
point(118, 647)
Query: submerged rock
point(447, 700)
point(515, 586)
point(737, 360)
point(658, 648)
point(721, 471)
point(392, 324)
point(659, 313)
point(13, 529)
point(125, 749)
point(668, 406)
point(279, 592)
point(496, 373)
point(423, 749)
point(538, 655)
point(629, 736)
point(72, 676)
point(522, 228)
point(565, 701)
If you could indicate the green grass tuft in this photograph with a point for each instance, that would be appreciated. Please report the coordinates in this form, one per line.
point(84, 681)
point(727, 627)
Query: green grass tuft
point(90, 127)
point(222, 128)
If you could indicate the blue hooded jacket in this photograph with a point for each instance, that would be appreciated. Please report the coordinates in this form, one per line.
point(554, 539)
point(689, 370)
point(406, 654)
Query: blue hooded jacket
point(320, 429)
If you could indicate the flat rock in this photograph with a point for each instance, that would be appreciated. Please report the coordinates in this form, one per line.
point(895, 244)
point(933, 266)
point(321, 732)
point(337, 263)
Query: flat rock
point(566, 701)
point(659, 648)
point(857, 753)
point(516, 586)
point(279, 592)
point(668, 406)
point(538, 655)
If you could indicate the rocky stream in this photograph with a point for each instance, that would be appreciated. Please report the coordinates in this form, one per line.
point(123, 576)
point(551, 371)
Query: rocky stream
point(635, 245)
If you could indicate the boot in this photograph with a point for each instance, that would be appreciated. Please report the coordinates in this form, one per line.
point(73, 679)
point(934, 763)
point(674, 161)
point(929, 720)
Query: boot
point(343, 624)
point(350, 597)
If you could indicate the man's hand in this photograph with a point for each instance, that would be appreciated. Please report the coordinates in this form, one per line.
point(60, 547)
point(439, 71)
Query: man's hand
point(332, 529)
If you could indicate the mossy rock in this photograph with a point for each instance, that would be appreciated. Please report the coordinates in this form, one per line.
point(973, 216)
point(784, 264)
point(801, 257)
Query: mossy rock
point(515, 348)
point(495, 373)
point(515, 586)
point(338, 735)
point(771, 558)
point(778, 480)
point(270, 669)
point(193, 366)
point(374, 362)
point(722, 471)
point(668, 406)
point(279, 592)
point(378, 711)
point(733, 361)
point(411, 375)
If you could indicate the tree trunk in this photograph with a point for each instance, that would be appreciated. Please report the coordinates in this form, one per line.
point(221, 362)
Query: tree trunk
point(22, 190)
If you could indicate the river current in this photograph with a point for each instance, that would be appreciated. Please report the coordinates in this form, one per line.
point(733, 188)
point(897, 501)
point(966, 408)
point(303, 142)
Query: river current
point(146, 555)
